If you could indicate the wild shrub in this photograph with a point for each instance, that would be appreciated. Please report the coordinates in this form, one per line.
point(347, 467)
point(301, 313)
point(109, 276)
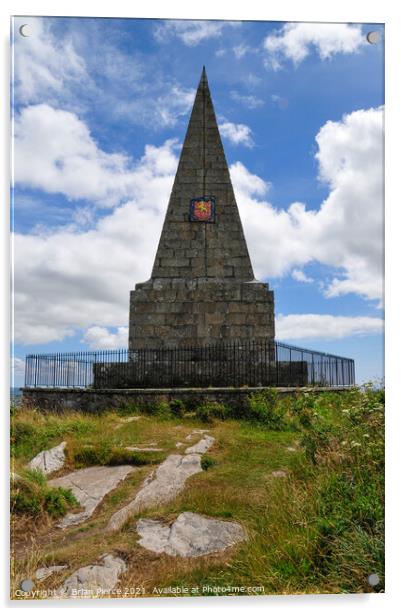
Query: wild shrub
point(263, 408)
point(129, 408)
point(207, 462)
point(32, 432)
point(32, 496)
point(347, 448)
point(209, 410)
point(177, 408)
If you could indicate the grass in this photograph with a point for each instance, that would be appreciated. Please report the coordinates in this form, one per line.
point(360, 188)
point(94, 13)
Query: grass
point(31, 495)
point(318, 529)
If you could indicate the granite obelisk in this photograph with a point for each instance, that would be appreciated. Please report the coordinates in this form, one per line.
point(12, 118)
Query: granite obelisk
point(202, 288)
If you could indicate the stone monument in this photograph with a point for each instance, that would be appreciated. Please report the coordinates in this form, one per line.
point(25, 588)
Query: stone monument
point(202, 290)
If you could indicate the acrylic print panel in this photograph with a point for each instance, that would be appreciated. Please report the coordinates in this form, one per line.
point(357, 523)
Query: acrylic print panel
point(196, 205)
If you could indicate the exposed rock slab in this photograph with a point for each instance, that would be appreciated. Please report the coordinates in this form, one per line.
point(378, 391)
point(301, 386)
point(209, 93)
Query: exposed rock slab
point(44, 572)
point(144, 449)
point(195, 432)
point(90, 486)
point(159, 487)
point(89, 580)
point(129, 419)
point(202, 446)
point(190, 535)
point(50, 460)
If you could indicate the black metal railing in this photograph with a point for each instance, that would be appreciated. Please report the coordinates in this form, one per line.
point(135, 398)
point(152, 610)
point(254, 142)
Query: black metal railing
point(228, 364)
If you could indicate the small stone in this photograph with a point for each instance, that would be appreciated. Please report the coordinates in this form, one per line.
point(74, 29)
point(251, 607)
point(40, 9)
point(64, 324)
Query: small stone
point(50, 460)
point(202, 446)
point(89, 486)
point(191, 535)
point(279, 474)
point(15, 477)
point(44, 572)
point(93, 580)
point(291, 448)
point(179, 444)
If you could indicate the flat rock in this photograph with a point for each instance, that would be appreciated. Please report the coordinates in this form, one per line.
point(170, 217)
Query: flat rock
point(195, 432)
point(159, 487)
point(89, 486)
point(279, 474)
point(129, 419)
point(93, 579)
point(50, 460)
point(44, 572)
point(202, 446)
point(191, 535)
point(143, 449)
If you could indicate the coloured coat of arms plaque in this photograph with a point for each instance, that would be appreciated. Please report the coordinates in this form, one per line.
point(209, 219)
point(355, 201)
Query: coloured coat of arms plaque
point(202, 209)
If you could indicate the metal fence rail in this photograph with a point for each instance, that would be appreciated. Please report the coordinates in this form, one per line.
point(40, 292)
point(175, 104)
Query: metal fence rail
point(236, 364)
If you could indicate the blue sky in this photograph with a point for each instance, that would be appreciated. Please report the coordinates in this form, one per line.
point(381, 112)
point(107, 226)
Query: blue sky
point(100, 111)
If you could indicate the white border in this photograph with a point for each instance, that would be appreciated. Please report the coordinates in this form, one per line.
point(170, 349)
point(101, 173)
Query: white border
point(284, 10)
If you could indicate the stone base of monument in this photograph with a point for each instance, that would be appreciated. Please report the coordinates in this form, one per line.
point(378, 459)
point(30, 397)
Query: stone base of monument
point(99, 400)
point(154, 372)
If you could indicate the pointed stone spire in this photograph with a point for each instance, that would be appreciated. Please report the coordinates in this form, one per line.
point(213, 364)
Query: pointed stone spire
point(192, 248)
point(202, 289)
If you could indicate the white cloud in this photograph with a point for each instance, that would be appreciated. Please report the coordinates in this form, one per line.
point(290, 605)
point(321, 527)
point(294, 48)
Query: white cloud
point(325, 326)
point(250, 101)
point(300, 276)
point(191, 33)
point(237, 133)
point(294, 41)
point(73, 164)
point(101, 338)
point(44, 64)
point(241, 50)
point(52, 65)
point(346, 232)
point(17, 368)
point(68, 279)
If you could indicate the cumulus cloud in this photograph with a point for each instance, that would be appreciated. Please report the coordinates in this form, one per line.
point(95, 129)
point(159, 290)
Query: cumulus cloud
point(102, 338)
point(73, 164)
point(237, 133)
point(325, 326)
point(294, 41)
point(346, 232)
point(68, 279)
point(300, 276)
point(191, 33)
